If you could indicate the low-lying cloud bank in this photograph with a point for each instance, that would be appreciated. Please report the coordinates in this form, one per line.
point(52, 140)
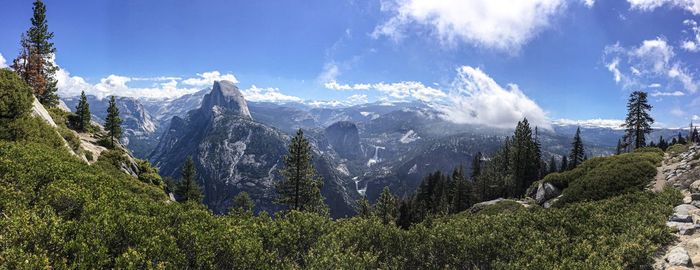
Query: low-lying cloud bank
point(472, 98)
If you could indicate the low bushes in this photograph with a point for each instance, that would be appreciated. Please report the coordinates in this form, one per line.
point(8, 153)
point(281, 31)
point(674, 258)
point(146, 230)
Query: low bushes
point(59, 212)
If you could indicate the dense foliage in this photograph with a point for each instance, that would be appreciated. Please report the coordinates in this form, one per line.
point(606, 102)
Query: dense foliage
point(58, 211)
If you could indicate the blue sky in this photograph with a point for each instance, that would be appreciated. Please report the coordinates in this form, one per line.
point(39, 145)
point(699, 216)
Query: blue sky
point(480, 61)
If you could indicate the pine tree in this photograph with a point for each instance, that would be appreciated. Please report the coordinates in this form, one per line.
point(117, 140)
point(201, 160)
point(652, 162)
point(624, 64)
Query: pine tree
point(681, 139)
point(619, 148)
point(476, 165)
point(564, 164)
point(695, 137)
point(300, 188)
point(364, 209)
point(188, 189)
point(82, 111)
point(577, 152)
point(385, 208)
point(663, 144)
point(525, 158)
point(674, 141)
point(461, 195)
point(638, 121)
point(34, 64)
point(242, 203)
point(405, 214)
point(552, 165)
point(113, 123)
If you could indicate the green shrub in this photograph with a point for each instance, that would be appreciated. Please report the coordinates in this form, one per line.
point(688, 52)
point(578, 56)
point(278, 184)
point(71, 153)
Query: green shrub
point(89, 156)
point(677, 149)
point(617, 175)
point(15, 96)
point(71, 138)
point(655, 150)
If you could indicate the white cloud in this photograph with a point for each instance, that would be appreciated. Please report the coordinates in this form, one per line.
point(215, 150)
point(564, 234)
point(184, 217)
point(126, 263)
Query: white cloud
point(692, 6)
point(691, 44)
point(612, 67)
point(644, 66)
point(684, 77)
point(329, 74)
point(477, 99)
point(258, 94)
point(207, 79)
point(667, 94)
point(399, 90)
point(69, 85)
point(357, 99)
point(696, 117)
point(654, 55)
point(409, 89)
point(333, 85)
point(501, 24)
point(3, 62)
point(589, 3)
point(604, 123)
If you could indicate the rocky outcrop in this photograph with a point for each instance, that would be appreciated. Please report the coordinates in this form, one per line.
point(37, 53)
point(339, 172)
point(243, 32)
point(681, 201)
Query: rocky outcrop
point(225, 94)
point(345, 139)
point(678, 171)
point(545, 192)
point(40, 112)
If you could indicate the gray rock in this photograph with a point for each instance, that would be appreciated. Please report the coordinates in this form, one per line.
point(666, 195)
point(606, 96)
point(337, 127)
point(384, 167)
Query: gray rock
point(226, 95)
point(678, 256)
point(695, 187)
point(545, 192)
point(681, 218)
point(345, 139)
point(683, 209)
point(551, 202)
point(695, 196)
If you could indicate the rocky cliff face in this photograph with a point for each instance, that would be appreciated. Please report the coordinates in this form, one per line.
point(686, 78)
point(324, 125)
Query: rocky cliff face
point(345, 139)
point(226, 96)
point(233, 153)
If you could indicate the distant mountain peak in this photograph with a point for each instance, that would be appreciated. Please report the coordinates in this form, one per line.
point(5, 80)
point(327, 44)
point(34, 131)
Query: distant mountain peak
point(226, 95)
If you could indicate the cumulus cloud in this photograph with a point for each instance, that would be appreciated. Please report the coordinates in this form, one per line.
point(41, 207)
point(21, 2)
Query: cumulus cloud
point(604, 123)
point(692, 44)
point(646, 65)
point(333, 85)
point(472, 98)
point(399, 90)
point(589, 3)
point(258, 94)
point(696, 117)
point(206, 79)
point(162, 87)
point(357, 99)
point(692, 6)
point(477, 99)
point(667, 94)
point(500, 24)
point(3, 62)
